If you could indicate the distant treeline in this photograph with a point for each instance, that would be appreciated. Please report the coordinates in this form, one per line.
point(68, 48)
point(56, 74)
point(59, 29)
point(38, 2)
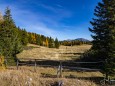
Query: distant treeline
point(34, 38)
point(74, 42)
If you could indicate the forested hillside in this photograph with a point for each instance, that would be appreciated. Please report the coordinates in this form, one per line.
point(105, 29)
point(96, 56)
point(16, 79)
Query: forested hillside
point(13, 38)
point(78, 41)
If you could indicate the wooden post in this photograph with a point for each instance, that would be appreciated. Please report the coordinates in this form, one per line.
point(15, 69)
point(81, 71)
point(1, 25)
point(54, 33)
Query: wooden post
point(60, 83)
point(60, 69)
point(6, 63)
point(35, 66)
point(17, 64)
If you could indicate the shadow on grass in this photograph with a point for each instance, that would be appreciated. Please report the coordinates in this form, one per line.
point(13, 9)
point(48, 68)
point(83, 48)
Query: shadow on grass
point(67, 64)
point(92, 79)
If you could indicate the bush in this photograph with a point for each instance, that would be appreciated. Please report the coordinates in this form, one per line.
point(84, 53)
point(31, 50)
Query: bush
point(2, 65)
point(90, 55)
point(11, 61)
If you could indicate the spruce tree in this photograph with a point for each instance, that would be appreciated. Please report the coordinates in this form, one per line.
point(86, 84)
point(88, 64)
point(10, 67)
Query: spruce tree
point(104, 34)
point(57, 43)
point(51, 43)
point(38, 40)
point(10, 43)
point(24, 37)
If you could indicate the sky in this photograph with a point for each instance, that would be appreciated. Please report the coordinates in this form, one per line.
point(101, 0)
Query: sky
point(64, 19)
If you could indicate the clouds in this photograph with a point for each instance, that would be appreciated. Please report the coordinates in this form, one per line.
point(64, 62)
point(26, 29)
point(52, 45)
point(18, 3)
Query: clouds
point(27, 19)
point(38, 22)
point(54, 14)
point(57, 9)
point(46, 17)
point(40, 28)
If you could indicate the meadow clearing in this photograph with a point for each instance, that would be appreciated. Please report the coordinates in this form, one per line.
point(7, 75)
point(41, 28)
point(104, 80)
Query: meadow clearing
point(47, 76)
point(63, 53)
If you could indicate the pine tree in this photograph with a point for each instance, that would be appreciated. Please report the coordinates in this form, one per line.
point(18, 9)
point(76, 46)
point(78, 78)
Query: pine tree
point(57, 43)
point(10, 43)
point(104, 34)
point(51, 43)
point(38, 40)
point(29, 37)
point(24, 37)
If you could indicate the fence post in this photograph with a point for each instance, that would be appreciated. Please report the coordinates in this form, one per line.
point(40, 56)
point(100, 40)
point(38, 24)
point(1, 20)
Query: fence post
point(60, 83)
point(6, 63)
point(17, 64)
point(59, 70)
point(35, 66)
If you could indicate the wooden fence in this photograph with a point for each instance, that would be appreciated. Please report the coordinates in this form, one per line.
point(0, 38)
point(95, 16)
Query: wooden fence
point(60, 65)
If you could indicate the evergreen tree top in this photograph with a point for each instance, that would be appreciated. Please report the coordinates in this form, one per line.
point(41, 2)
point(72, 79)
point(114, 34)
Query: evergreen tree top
point(8, 17)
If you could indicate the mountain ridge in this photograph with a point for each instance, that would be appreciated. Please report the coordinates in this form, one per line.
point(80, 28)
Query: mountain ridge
point(78, 39)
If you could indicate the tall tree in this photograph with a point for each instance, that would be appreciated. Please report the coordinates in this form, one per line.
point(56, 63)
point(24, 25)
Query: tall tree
point(57, 43)
point(24, 37)
point(104, 34)
point(38, 40)
point(10, 43)
point(51, 43)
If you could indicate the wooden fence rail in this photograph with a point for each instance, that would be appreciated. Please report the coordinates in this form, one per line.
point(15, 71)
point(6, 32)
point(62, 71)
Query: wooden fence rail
point(60, 66)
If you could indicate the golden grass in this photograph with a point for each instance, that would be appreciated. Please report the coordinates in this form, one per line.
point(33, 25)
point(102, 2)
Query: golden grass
point(39, 52)
point(24, 74)
point(53, 71)
point(26, 77)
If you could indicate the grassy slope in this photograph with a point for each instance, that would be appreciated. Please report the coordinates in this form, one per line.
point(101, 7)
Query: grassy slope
point(34, 51)
point(20, 77)
point(63, 53)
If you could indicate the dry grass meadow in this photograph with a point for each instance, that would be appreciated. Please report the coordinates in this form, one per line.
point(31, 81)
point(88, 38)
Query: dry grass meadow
point(25, 76)
point(63, 53)
point(47, 76)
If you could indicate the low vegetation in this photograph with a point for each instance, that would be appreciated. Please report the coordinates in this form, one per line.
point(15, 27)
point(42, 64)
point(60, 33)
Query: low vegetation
point(26, 77)
point(2, 64)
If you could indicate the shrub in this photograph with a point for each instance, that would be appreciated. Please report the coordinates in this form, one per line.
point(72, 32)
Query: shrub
point(90, 55)
point(2, 65)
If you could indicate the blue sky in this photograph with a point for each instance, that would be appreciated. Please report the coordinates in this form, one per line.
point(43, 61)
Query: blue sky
point(64, 19)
